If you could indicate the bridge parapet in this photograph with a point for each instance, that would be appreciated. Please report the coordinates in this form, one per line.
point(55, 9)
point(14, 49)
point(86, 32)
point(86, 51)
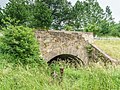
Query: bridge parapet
point(97, 55)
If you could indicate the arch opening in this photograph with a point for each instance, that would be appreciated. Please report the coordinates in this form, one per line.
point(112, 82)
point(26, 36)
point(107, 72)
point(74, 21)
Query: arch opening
point(66, 58)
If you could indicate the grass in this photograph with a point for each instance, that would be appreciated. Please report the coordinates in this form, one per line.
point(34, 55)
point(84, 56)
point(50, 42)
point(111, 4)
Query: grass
point(111, 47)
point(39, 77)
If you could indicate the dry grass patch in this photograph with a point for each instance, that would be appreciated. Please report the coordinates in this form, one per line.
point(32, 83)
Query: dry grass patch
point(111, 47)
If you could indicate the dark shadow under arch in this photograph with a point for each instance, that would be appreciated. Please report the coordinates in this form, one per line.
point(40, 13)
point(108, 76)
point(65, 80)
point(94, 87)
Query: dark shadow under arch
point(66, 57)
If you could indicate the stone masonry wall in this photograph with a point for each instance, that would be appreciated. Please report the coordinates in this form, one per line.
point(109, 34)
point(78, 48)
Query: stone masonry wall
point(97, 55)
point(54, 43)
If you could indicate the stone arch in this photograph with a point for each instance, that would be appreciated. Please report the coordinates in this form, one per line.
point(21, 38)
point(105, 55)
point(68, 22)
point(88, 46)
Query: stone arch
point(67, 57)
point(53, 43)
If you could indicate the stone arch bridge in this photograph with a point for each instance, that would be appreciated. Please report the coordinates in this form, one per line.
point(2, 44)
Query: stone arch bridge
point(64, 43)
point(72, 44)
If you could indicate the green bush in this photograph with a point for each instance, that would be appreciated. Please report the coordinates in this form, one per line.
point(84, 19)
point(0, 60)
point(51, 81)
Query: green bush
point(20, 42)
point(92, 28)
point(68, 28)
point(115, 33)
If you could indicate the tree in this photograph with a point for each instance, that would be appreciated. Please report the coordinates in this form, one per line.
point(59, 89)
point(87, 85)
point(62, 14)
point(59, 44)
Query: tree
point(1, 17)
point(32, 13)
point(92, 28)
point(104, 28)
point(89, 12)
point(108, 14)
point(60, 12)
point(17, 9)
point(41, 15)
point(107, 25)
point(95, 12)
point(77, 16)
point(115, 30)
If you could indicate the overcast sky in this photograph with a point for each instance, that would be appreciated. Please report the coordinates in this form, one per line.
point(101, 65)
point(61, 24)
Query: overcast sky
point(114, 6)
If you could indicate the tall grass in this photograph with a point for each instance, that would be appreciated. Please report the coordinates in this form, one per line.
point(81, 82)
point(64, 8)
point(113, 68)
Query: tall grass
point(39, 77)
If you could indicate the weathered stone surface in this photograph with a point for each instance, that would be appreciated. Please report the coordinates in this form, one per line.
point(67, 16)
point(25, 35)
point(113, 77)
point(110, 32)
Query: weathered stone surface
point(54, 43)
point(97, 55)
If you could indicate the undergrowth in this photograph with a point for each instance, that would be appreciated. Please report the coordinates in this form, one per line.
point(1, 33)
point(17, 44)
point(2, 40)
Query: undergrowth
point(37, 77)
point(17, 45)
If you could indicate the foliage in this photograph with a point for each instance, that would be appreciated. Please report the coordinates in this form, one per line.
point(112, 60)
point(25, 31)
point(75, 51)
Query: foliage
point(60, 12)
point(29, 13)
point(104, 28)
point(41, 15)
point(68, 28)
point(115, 30)
point(85, 13)
point(1, 17)
point(7, 21)
point(92, 28)
point(89, 50)
point(35, 78)
point(18, 10)
point(108, 14)
point(20, 42)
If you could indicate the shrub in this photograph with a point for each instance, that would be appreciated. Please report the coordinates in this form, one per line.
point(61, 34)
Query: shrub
point(68, 28)
point(115, 33)
point(20, 42)
point(92, 28)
